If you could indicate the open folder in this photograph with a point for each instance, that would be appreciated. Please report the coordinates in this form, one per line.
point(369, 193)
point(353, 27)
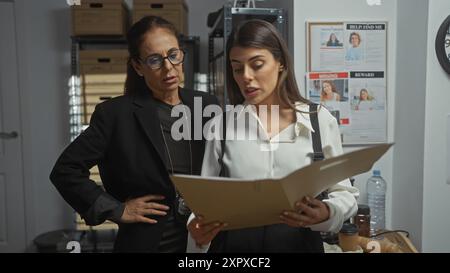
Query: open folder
point(253, 203)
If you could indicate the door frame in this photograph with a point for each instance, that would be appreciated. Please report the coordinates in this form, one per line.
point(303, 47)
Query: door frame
point(25, 124)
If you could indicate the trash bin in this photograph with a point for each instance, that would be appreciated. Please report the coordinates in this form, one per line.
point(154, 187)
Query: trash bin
point(52, 242)
point(91, 241)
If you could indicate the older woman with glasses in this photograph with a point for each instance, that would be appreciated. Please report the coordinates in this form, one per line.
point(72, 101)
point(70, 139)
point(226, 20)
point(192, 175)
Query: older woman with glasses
point(129, 138)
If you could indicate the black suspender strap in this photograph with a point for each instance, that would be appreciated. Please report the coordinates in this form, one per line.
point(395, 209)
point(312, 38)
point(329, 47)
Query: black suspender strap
point(317, 143)
point(222, 144)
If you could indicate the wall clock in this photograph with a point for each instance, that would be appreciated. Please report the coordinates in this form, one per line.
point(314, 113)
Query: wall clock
point(442, 45)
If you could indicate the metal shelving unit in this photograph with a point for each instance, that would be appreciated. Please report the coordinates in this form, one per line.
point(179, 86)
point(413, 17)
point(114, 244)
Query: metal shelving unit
point(228, 18)
point(75, 93)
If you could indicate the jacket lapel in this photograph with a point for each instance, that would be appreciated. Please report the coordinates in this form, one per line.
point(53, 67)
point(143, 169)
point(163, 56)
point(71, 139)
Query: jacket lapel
point(147, 116)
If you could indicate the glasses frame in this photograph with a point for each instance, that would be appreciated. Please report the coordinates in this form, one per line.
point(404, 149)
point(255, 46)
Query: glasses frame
point(144, 62)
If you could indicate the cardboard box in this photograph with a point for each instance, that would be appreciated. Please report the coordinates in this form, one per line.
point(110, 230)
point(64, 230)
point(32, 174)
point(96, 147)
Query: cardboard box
point(174, 11)
point(95, 175)
point(81, 225)
point(103, 75)
point(103, 61)
point(100, 17)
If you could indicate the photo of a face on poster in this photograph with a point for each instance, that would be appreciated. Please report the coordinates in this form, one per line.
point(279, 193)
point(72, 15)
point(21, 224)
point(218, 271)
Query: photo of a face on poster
point(332, 39)
point(355, 46)
point(327, 90)
point(367, 97)
point(331, 91)
point(334, 90)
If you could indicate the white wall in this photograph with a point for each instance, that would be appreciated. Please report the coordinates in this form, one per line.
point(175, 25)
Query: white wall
point(43, 33)
point(353, 10)
point(436, 201)
point(407, 196)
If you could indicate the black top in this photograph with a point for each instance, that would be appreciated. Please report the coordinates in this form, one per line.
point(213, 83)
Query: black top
point(174, 237)
point(124, 139)
point(179, 150)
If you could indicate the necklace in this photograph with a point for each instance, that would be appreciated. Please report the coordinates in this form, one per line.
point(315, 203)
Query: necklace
point(182, 207)
point(167, 147)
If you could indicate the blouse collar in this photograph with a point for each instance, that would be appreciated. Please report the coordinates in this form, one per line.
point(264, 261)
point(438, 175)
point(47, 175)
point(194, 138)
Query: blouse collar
point(302, 115)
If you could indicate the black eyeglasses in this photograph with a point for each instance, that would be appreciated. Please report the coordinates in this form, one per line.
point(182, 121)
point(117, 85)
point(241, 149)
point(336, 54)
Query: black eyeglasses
point(156, 61)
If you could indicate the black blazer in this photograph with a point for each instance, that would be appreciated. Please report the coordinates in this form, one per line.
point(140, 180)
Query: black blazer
point(124, 139)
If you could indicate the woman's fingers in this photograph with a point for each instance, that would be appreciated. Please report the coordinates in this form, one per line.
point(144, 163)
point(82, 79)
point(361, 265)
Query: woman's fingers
point(296, 217)
point(209, 236)
point(307, 210)
point(143, 219)
point(136, 209)
point(305, 204)
point(313, 202)
point(204, 233)
point(292, 223)
point(157, 206)
point(310, 211)
point(153, 212)
point(200, 228)
point(205, 229)
point(151, 197)
point(194, 226)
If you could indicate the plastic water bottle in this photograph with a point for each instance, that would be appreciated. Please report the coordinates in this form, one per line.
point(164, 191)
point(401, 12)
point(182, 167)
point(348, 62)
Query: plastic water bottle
point(376, 195)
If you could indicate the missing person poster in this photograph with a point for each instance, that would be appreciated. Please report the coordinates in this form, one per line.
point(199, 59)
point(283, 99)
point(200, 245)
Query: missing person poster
point(326, 47)
point(356, 99)
point(365, 47)
point(347, 46)
point(347, 75)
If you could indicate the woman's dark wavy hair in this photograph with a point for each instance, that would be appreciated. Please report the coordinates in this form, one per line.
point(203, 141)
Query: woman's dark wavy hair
point(135, 36)
point(262, 34)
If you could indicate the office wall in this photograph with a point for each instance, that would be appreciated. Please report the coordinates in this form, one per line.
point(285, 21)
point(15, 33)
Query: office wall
point(407, 186)
point(436, 201)
point(306, 10)
point(43, 34)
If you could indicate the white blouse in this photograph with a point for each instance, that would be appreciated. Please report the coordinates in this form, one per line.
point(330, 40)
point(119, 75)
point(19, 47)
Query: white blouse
point(289, 150)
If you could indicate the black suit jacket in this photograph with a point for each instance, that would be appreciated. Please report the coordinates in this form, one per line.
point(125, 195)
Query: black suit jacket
point(124, 139)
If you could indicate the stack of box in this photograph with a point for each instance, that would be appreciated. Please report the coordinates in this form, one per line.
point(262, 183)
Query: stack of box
point(103, 74)
point(100, 17)
point(174, 11)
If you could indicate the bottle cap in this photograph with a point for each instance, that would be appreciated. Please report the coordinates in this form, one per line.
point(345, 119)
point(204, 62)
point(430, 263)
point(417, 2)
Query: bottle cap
point(376, 172)
point(363, 209)
point(348, 228)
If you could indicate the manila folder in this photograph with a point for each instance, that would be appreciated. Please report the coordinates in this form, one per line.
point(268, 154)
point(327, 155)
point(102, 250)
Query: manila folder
point(254, 203)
